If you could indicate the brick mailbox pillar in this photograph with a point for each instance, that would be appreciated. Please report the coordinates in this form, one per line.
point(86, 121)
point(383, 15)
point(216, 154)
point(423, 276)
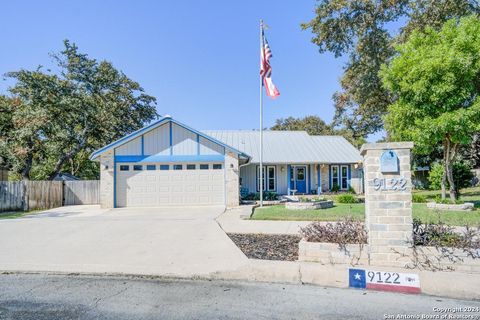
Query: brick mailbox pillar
point(388, 201)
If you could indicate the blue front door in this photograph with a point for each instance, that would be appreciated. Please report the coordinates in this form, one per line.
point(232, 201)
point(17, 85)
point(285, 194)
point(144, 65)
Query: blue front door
point(298, 179)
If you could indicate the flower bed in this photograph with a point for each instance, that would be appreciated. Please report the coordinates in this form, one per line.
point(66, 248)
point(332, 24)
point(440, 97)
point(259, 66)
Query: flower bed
point(309, 205)
point(467, 206)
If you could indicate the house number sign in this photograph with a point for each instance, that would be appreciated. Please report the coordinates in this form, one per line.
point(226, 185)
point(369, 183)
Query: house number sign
point(391, 184)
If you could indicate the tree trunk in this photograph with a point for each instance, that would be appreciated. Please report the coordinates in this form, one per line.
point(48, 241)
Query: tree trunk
point(446, 151)
point(66, 157)
point(449, 172)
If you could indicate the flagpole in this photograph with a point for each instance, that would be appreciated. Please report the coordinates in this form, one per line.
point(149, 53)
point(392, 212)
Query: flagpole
point(261, 123)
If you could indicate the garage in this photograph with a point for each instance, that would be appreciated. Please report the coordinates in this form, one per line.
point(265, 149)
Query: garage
point(167, 164)
point(168, 184)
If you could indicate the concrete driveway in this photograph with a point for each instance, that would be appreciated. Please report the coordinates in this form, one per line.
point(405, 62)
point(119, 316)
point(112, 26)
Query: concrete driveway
point(182, 242)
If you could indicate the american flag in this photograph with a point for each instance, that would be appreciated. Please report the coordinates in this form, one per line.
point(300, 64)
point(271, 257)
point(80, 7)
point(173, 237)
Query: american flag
point(266, 69)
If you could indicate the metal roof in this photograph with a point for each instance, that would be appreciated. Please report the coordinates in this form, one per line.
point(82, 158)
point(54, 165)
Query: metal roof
point(289, 146)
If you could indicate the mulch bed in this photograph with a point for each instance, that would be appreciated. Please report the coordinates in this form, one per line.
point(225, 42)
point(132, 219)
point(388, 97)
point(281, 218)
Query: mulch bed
point(267, 247)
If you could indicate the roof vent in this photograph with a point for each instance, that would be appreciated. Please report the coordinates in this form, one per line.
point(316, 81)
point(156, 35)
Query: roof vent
point(167, 116)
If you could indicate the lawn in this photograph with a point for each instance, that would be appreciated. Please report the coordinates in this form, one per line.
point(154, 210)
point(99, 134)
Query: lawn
point(420, 211)
point(16, 214)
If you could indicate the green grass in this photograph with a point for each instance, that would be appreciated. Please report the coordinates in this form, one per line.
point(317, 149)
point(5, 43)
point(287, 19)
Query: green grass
point(420, 211)
point(279, 212)
point(16, 214)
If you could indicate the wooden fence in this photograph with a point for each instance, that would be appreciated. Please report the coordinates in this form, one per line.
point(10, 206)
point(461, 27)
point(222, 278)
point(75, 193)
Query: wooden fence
point(33, 195)
point(81, 192)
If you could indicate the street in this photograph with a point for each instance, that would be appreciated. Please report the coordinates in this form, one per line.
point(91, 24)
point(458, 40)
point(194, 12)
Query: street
point(41, 297)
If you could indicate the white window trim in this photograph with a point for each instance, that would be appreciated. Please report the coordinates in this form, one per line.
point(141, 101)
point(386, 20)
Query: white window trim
point(338, 175)
point(341, 177)
point(265, 182)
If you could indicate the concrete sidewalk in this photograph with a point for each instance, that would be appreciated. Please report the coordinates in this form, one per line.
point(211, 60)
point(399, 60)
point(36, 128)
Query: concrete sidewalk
point(236, 221)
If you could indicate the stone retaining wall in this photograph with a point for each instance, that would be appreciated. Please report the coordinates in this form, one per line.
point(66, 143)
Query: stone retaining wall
point(309, 205)
point(467, 206)
point(427, 258)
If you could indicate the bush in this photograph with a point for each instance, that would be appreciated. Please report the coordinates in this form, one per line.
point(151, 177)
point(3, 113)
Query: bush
point(441, 235)
point(462, 176)
point(343, 232)
point(419, 198)
point(335, 188)
point(346, 198)
point(267, 196)
point(351, 190)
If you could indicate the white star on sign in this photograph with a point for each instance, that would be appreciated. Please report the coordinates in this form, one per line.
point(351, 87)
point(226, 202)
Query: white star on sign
point(357, 276)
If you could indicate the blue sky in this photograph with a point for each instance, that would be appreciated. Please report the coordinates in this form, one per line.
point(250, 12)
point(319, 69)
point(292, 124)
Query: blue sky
point(200, 59)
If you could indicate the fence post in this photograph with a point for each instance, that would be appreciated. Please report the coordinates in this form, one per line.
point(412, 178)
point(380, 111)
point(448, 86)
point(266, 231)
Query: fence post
point(25, 199)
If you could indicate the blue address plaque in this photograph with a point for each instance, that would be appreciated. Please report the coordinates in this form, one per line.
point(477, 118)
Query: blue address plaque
point(389, 162)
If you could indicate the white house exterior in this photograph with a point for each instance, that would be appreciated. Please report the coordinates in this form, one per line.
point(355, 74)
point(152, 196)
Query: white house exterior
point(170, 164)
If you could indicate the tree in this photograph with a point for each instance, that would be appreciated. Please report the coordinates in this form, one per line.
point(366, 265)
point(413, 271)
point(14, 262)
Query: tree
point(361, 30)
point(312, 124)
point(436, 81)
point(60, 118)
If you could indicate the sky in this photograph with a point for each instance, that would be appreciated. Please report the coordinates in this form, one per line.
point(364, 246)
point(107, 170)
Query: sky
point(200, 59)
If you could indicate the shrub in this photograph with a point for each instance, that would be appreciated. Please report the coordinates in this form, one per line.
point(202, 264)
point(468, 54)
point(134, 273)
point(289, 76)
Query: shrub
point(462, 176)
point(346, 198)
point(335, 188)
point(346, 231)
point(269, 196)
point(419, 198)
point(252, 196)
point(442, 235)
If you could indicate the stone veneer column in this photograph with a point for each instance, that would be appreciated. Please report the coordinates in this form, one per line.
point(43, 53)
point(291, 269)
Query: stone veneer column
point(388, 213)
point(232, 187)
point(106, 179)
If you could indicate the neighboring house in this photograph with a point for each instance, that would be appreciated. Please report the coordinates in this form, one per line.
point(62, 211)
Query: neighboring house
point(170, 164)
point(295, 161)
point(65, 176)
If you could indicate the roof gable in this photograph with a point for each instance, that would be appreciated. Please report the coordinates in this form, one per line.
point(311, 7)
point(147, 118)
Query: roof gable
point(157, 124)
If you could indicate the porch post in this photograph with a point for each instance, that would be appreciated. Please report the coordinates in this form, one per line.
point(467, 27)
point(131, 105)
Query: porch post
point(288, 179)
point(319, 180)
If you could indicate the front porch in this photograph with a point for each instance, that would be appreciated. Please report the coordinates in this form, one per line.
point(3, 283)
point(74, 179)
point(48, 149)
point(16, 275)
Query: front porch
point(301, 178)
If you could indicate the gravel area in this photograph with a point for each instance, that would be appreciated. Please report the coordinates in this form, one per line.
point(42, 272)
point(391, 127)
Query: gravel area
point(267, 247)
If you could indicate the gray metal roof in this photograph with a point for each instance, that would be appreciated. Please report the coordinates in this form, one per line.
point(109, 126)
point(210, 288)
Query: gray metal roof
point(289, 146)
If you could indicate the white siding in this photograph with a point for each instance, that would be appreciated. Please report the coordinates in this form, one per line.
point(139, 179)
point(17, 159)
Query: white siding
point(157, 141)
point(208, 147)
point(132, 148)
point(248, 175)
point(184, 141)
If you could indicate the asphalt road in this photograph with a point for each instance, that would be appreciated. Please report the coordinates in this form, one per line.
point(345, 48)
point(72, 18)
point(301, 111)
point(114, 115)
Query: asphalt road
point(39, 297)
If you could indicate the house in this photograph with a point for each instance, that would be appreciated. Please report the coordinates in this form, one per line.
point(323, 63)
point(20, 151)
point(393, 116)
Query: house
point(168, 163)
point(65, 176)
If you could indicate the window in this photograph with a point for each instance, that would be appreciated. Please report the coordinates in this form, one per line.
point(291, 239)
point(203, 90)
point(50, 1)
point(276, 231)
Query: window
point(271, 176)
point(217, 166)
point(204, 167)
point(300, 174)
point(344, 173)
point(124, 168)
point(164, 167)
point(137, 167)
point(191, 167)
point(335, 177)
point(151, 167)
point(177, 167)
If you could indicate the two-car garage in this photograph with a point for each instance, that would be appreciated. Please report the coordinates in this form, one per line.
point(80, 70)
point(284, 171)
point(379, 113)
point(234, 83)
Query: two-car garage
point(169, 164)
point(170, 184)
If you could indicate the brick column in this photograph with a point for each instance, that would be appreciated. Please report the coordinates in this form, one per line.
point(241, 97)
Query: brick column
point(106, 179)
point(388, 202)
point(232, 180)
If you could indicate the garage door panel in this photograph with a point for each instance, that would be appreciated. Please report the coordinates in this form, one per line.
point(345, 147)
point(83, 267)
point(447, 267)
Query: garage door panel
point(169, 187)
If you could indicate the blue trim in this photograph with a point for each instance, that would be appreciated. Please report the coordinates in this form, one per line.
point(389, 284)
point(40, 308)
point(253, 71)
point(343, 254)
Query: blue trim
point(143, 145)
point(155, 124)
point(198, 144)
point(171, 138)
point(166, 158)
point(319, 180)
point(289, 178)
point(114, 180)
